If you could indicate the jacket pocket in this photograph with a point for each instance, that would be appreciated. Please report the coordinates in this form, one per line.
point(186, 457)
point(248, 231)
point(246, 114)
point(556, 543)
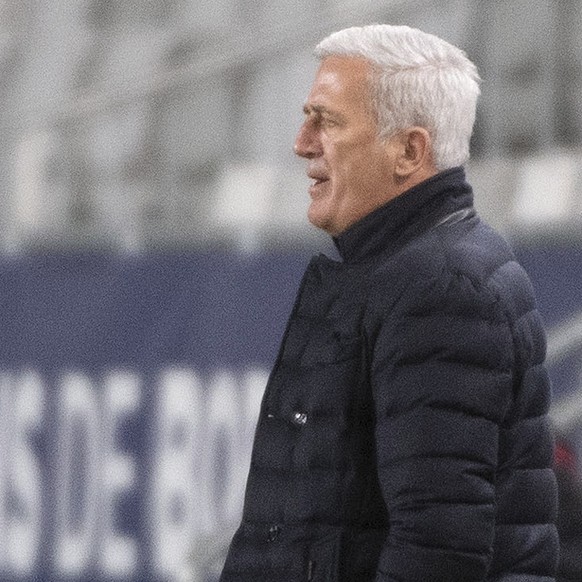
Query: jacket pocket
point(323, 563)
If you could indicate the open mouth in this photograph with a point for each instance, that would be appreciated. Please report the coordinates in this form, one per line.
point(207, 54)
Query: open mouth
point(317, 189)
point(317, 180)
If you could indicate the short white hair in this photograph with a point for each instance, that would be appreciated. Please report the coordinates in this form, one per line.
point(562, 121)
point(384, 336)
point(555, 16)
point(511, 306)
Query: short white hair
point(418, 80)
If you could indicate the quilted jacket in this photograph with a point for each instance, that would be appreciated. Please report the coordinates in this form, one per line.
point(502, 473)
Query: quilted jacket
point(403, 434)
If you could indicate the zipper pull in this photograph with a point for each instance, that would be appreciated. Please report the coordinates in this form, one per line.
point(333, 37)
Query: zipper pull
point(310, 569)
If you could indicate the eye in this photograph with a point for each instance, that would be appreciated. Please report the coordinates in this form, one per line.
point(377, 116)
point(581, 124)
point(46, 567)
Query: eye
point(329, 122)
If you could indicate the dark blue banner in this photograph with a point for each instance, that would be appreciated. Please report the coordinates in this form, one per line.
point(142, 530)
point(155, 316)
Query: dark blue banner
point(129, 389)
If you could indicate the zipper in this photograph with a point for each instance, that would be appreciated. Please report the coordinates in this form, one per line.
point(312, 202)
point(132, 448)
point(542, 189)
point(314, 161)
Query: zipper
point(275, 368)
point(310, 570)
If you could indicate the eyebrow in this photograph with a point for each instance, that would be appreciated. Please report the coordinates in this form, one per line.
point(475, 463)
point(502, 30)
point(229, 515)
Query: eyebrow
point(322, 110)
point(315, 108)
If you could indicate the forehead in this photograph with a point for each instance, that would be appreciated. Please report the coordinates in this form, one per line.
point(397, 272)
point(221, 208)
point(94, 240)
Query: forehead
point(341, 82)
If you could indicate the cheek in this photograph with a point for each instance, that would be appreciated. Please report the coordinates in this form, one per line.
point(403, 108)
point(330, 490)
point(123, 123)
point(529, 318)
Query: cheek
point(356, 163)
point(374, 164)
point(357, 168)
point(343, 161)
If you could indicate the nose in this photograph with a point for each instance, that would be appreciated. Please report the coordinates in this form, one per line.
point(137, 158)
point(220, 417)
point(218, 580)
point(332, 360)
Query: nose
point(307, 143)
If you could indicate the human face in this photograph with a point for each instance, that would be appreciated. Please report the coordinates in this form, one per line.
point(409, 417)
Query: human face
point(350, 166)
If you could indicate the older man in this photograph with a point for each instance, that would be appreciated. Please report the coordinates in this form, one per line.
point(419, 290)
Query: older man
point(403, 435)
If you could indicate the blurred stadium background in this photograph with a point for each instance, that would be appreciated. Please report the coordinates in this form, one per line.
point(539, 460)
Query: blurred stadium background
point(153, 235)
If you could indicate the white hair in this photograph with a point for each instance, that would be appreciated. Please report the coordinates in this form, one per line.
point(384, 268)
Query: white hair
point(418, 80)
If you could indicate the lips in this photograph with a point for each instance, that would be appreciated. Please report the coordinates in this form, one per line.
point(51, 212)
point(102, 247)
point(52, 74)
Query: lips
point(318, 188)
point(318, 176)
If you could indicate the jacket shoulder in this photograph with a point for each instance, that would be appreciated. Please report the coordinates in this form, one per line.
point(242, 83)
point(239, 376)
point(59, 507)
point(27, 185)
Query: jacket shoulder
point(467, 264)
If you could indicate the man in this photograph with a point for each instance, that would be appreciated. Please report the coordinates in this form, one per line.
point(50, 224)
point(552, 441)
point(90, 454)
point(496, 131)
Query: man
point(403, 434)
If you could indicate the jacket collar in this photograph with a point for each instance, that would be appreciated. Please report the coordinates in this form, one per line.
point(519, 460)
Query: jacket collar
point(406, 216)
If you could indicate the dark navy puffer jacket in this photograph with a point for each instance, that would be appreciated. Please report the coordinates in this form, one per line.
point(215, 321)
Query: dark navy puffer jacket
point(403, 434)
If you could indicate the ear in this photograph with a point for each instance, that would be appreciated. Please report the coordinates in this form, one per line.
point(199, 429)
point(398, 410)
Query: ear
point(415, 152)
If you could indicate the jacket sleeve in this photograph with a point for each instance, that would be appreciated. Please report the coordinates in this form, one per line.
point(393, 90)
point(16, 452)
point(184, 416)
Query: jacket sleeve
point(441, 374)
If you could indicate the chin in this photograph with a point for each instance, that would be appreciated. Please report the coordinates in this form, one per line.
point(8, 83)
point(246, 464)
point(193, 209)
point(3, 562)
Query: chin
point(325, 215)
point(316, 216)
point(323, 225)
